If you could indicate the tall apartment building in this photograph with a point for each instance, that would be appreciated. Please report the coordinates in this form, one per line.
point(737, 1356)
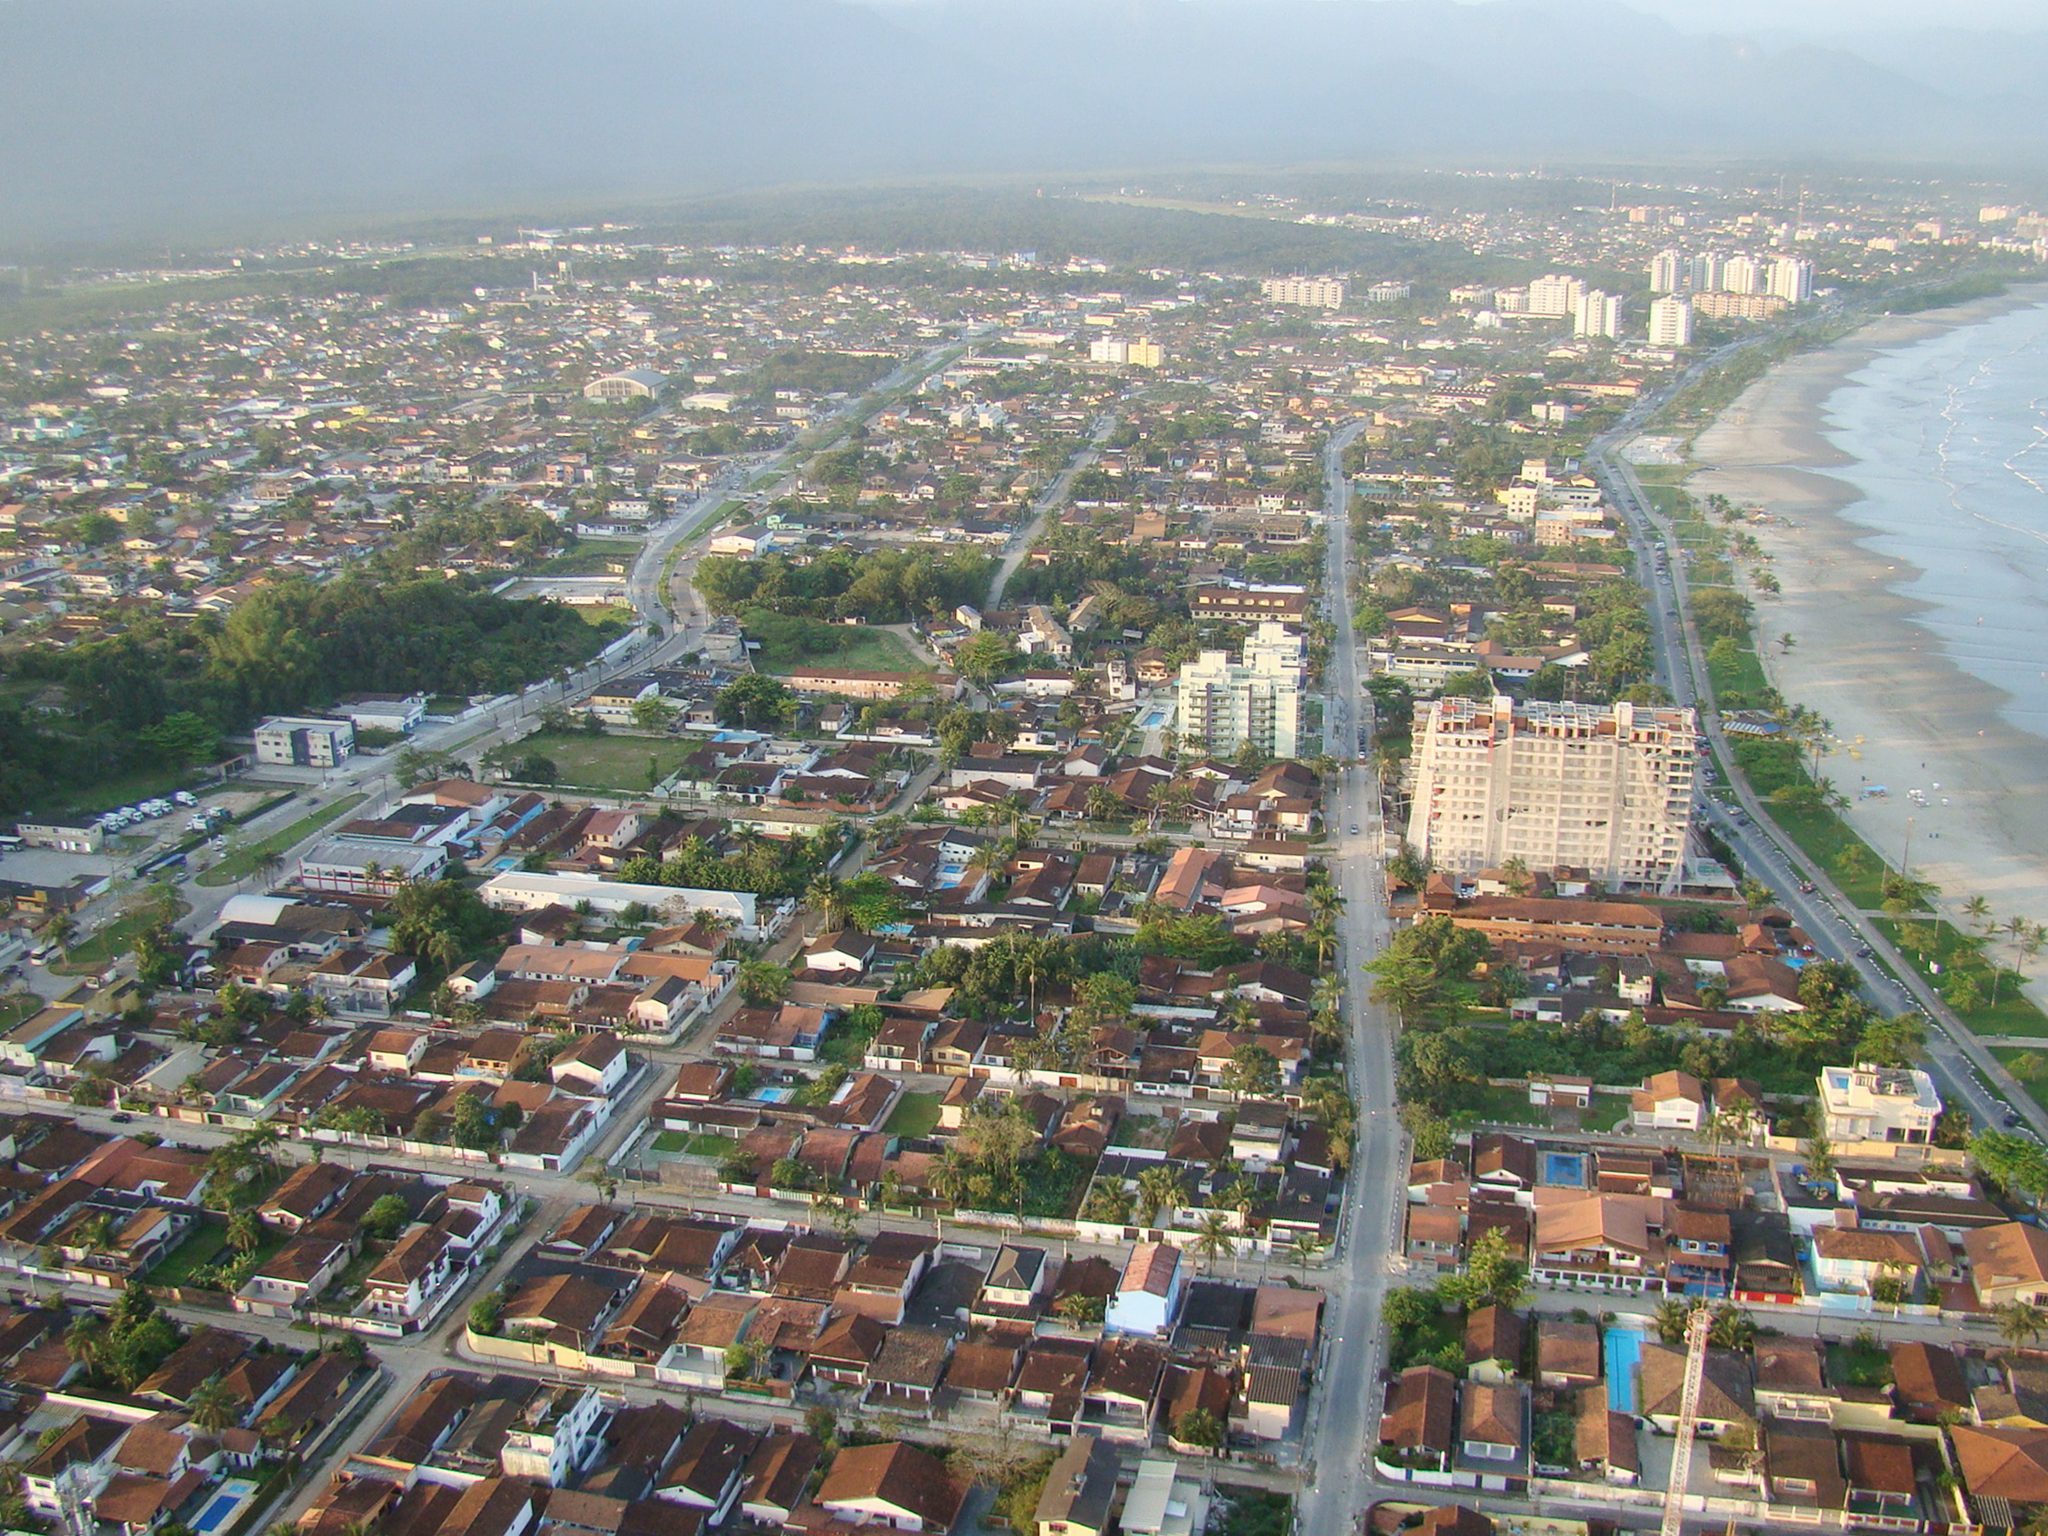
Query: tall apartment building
point(1555, 294)
point(1742, 274)
point(289, 741)
point(1667, 271)
point(1313, 292)
point(1670, 322)
point(1705, 272)
point(1790, 278)
point(1224, 704)
point(1597, 314)
point(1606, 790)
point(1736, 306)
point(1126, 353)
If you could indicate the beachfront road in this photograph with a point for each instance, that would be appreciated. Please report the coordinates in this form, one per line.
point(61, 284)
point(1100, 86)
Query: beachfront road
point(1966, 1072)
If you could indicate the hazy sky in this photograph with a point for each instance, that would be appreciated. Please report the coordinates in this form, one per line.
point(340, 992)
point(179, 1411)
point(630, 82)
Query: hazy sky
point(149, 118)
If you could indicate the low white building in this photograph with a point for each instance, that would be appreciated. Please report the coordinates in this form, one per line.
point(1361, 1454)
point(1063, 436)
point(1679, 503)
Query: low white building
point(1895, 1104)
point(527, 891)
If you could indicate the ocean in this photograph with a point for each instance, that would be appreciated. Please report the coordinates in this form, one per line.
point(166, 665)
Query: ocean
point(1947, 440)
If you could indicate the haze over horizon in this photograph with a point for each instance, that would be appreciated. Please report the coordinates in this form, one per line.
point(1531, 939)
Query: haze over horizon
point(136, 119)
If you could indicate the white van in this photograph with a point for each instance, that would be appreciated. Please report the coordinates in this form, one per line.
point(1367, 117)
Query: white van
point(185, 797)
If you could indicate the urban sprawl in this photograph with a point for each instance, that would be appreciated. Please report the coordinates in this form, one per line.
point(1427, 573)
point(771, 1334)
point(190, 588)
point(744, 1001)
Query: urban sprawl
point(656, 887)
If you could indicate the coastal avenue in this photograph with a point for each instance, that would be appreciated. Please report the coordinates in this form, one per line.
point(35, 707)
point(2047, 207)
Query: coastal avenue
point(1345, 1414)
point(1960, 1063)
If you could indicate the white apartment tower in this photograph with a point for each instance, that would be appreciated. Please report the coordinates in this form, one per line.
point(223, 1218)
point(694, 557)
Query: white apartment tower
point(1312, 292)
point(1224, 704)
point(1742, 274)
point(1670, 322)
point(1667, 271)
point(1597, 314)
point(1555, 294)
point(1790, 278)
point(1705, 272)
point(1604, 789)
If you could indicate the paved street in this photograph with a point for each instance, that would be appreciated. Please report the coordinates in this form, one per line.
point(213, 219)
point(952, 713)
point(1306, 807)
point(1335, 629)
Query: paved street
point(1344, 1413)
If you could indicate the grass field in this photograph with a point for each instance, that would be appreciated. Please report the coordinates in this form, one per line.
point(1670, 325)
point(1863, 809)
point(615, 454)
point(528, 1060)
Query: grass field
point(1961, 954)
point(618, 763)
point(1488, 1105)
point(704, 1144)
point(110, 943)
point(1608, 1111)
point(595, 614)
point(854, 646)
point(105, 794)
point(208, 1244)
point(591, 557)
point(916, 1115)
point(240, 863)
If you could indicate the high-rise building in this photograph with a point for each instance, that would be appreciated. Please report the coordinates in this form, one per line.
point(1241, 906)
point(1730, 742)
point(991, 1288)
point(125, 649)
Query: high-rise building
point(1224, 704)
point(1607, 790)
point(1555, 294)
point(1123, 353)
point(1597, 314)
point(1670, 322)
point(1704, 272)
point(1667, 271)
point(1742, 274)
point(1790, 278)
point(1312, 292)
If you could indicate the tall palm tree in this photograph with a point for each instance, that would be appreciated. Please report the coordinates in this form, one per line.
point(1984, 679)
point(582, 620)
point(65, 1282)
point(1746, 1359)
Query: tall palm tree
point(827, 896)
point(1216, 1237)
point(1325, 900)
point(1308, 1248)
point(1978, 910)
point(86, 1340)
point(244, 1231)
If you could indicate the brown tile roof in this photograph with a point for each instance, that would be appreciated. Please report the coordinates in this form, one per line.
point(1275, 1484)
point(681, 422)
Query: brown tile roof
point(899, 1474)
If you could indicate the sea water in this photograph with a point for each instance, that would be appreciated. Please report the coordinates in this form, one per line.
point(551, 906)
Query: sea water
point(1947, 439)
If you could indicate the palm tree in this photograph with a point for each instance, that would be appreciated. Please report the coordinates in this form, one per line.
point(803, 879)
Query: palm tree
point(212, 1407)
point(244, 1231)
point(2020, 1322)
point(827, 896)
point(1308, 1247)
point(86, 1340)
point(1159, 1189)
point(1216, 1238)
point(1978, 910)
point(1325, 900)
point(62, 931)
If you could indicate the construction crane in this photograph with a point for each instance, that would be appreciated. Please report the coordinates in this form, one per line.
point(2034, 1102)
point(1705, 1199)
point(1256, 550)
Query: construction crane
point(1688, 1421)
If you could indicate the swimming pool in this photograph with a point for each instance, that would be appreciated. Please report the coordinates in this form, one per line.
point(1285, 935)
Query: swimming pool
point(1567, 1169)
point(224, 1505)
point(1623, 1348)
point(1155, 717)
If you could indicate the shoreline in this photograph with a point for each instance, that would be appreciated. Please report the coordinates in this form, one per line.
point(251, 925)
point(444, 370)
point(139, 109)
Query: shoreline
point(1903, 713)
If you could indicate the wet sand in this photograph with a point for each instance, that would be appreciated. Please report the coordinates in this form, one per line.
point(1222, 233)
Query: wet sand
point(1904, 716)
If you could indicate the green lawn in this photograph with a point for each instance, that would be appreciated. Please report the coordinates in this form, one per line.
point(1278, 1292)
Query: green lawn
point(1962, 954)
point(621, 764)
point(208, 1244)
point(916, 1116)
point(685, 1144)
point(242, 862)
point(110, 943)
point(787, 644)
point(1608, 1111)
point(596, 614)
point(1488, 1105)
point(17, 1008)
point(591, 557)
point(447, 704)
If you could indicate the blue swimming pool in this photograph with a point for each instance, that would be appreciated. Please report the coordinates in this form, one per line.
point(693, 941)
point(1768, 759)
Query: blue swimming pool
point(1567, 1169)
point(1623, 1348)
point(1155, 717)
point(224, 1505)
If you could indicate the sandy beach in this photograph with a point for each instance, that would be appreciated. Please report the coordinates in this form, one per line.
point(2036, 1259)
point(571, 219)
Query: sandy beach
point(1903, 714)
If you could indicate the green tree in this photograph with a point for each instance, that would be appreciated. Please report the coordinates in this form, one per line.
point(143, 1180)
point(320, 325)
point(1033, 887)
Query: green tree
point(757, 701)
point(1200, 1428)
point(1493, 1277)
